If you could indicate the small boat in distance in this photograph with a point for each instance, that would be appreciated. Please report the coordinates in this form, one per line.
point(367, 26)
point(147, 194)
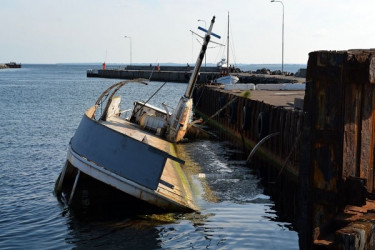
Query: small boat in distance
point(129, 155)
point(226, 77)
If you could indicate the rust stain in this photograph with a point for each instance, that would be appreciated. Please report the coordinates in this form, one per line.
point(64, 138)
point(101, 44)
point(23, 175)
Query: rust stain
point(325, 172)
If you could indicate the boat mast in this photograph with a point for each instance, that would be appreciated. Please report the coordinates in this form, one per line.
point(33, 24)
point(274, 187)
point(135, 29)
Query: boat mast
point(178, 122)
point(228, 46)
point(194, 75)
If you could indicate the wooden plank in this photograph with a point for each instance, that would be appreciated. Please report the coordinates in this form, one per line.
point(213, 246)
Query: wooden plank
point(254, 117)
point(277, 128)
point(294, 137)
point(273, 128)
point(368, 136)
point(282, 131)
point(246, 131)
point(267, 109)
point(287, 133)
point(300, 125)
point(256, 114)
point(351, 134)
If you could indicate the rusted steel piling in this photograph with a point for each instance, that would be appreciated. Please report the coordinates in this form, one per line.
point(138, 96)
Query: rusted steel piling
point(327, 149)
point(340, 104)
point(246, 121)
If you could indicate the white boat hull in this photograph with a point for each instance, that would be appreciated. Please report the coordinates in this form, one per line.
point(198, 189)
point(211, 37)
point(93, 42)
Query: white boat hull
point(229, 79)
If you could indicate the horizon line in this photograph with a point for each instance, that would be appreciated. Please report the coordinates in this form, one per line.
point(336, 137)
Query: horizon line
point(155, 63)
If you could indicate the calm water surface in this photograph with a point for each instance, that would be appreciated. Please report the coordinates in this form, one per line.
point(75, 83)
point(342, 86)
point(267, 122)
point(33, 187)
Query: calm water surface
point(42, 105)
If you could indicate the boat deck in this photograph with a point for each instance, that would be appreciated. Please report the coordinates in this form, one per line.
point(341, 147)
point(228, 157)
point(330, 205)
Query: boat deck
point(172, 183)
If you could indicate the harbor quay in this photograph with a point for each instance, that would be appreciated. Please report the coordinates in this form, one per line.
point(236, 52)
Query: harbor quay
point(182, 74)
point(314, 147)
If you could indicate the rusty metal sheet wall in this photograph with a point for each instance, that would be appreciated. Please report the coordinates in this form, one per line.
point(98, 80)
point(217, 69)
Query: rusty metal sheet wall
point(289, 123)
point(340, 100)
point(324, 100)
point(359, 123)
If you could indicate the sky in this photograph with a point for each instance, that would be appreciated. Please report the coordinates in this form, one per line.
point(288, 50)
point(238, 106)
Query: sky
point(89, 31)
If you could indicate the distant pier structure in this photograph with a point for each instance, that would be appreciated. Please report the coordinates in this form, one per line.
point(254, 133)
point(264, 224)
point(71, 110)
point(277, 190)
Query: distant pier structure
point(157, 73)
point(182, 74)
point(322, 157)
point(10, 65)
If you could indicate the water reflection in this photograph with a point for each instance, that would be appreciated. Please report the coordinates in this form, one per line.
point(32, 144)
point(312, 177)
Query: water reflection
point(127, 232)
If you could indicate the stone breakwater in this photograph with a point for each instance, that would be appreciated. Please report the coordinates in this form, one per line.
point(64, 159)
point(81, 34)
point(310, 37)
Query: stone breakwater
point(3, 66)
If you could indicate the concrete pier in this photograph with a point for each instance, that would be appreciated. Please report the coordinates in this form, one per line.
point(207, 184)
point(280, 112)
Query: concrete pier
point(324, 152)
point(182, 74)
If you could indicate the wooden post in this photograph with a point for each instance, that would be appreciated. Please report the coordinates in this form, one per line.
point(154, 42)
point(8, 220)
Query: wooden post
point(359, 124)
point(340, 99)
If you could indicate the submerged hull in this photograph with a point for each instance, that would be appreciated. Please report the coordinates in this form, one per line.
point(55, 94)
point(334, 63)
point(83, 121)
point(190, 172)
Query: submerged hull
point(105, 152)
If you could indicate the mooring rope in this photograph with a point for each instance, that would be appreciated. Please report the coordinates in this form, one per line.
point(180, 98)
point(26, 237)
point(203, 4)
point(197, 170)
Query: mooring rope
point(200, 97)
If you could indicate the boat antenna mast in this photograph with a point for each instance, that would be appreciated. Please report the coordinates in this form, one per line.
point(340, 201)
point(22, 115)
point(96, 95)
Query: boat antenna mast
point(178, 122)
point(227, 73)
point(194, 75)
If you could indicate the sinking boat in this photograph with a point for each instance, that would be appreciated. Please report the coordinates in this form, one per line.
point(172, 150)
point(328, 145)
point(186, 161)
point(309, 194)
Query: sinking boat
point(131, 156)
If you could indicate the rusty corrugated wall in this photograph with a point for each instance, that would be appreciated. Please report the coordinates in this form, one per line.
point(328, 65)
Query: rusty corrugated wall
point(208, 100)
point(340, 102)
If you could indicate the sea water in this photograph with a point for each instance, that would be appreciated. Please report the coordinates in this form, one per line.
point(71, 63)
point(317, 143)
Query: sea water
point(41, 107)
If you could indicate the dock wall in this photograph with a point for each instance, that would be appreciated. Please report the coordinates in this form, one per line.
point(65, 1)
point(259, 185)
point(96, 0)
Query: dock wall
point(154, 75)
point(172, 68)
point(339, 140)
point(182, 74)
point(246, 122)
point(327, 149)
